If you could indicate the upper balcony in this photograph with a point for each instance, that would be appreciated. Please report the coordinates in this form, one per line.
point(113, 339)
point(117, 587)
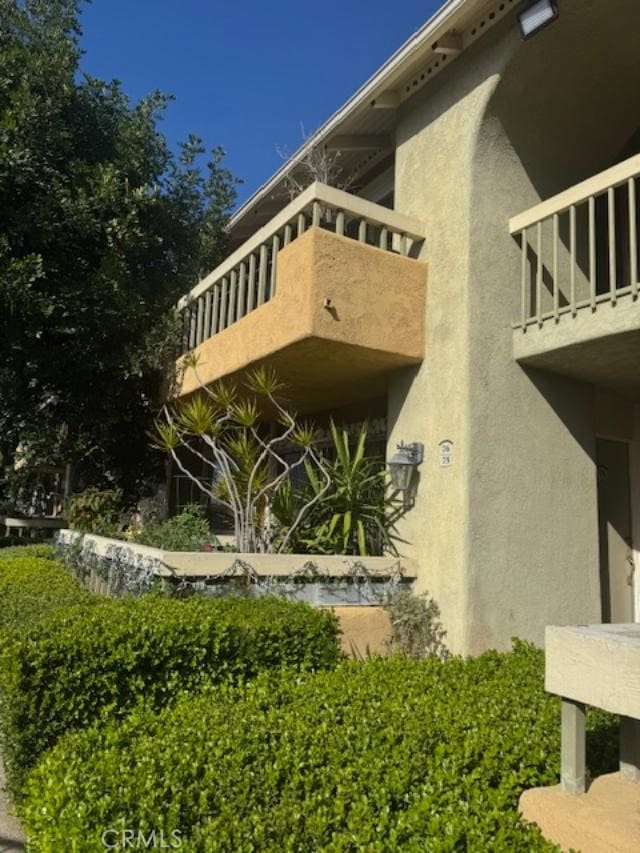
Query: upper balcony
point(580, 313)
point(327, 293)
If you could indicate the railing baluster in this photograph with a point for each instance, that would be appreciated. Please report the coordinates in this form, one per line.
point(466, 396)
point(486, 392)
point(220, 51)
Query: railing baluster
point(362, 231)
point(382, 240)
point(199, 320)
point(215, 311)
point(192, 328)
point(612, 244)
point(262, 274)
point(206, 332)
point(302, 224)
point(633, 238)
point(523, 279)
point(592, 251)
point(288, 230)
point(224, 302)
point(340, 223)
point(403, 245)
point(315, 214)
point(539, 274)
point(572, 257)
point(556, 283)
point(185, 330)
point(251, 290)
point(275, 248)
point(233, 293)
point(242, 291)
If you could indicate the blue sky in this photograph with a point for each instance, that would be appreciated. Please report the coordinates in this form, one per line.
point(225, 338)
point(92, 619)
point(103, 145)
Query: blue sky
point(245, 73)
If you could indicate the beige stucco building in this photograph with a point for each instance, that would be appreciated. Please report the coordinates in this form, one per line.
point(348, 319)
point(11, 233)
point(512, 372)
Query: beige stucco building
point(476, 285)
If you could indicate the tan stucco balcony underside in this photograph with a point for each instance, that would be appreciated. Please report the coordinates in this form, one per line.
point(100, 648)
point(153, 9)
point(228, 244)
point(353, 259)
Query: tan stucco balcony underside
point(343, 317)
point(601, 347)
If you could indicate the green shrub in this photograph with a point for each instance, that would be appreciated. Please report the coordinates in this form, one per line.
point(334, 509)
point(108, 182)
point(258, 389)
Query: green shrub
point(187, 531)
point(415, 624)
point(26, 549)
point(85, 662)
point(95, 511)
point(393, 754)
point(355, 514)
point(31, 587)
point(11, 543)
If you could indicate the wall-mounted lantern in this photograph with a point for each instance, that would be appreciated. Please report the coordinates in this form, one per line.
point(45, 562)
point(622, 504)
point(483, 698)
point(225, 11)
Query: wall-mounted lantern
point(536, 16)
point(403, 464)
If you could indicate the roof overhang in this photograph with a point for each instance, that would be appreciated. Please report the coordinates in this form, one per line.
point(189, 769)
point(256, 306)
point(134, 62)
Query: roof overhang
point(456, 25)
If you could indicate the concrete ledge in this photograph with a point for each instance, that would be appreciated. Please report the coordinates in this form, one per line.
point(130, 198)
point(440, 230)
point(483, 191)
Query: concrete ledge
point(604, 820)
point(596, 665)
point(193, 564)
point(607, 320)
point(39, 522)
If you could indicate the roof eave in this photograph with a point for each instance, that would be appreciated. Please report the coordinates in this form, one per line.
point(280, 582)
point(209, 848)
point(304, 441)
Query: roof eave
point(422, 40)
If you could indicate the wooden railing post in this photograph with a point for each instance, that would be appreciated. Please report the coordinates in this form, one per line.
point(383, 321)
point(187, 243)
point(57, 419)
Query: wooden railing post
point(262, 275)
point(523, 279)
point(633, 237)
point(275, 248)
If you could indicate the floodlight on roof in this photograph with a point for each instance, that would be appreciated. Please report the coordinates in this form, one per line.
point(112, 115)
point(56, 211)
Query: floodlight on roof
point(536, 16)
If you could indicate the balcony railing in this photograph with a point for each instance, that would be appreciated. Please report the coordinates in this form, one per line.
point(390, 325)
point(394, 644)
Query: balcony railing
point(580, 248)
point(247, 279)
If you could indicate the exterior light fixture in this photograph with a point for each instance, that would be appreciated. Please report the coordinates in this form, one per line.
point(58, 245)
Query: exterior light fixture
point(536, 16)
point(403, 463)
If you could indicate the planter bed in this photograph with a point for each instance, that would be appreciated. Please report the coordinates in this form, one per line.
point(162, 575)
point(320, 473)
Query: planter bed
point(321, 580)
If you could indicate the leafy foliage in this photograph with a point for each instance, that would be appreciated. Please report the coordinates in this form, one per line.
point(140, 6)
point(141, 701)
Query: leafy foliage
point(222, 427)
point(354, 515)
point(392, 754)
point(187, 531)
point(15, 543)
point(102, 229)
point(32, 586)
point(415, 624)
point(95, 511)
point(82, 663)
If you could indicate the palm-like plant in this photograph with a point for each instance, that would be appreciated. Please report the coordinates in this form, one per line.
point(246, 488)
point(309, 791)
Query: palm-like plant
point(355, 515)
point(222, 430)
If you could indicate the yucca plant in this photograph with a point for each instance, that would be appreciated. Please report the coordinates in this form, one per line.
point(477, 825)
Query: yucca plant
point(221, 428)
point(356, 515)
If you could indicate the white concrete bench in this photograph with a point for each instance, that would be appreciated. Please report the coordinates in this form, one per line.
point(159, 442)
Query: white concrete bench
point(31, 526)
point(596, 665)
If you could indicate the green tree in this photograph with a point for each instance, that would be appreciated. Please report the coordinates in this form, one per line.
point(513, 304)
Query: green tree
point(102, 229)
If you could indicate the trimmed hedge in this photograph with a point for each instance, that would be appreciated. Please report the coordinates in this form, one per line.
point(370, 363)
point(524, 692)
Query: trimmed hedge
point(32, 586)
point(392, 754)
point(12, 549)
point(81, 663)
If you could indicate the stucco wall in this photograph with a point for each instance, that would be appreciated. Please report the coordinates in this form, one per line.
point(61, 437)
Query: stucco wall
point(506, 537)
point(365, 630)
point(436, 140)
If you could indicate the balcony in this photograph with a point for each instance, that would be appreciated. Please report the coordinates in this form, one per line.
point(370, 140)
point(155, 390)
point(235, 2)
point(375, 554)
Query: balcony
point(327, 293)
point(580, 314)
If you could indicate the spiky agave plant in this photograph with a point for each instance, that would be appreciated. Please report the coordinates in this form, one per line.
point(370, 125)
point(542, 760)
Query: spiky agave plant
point(356, 515)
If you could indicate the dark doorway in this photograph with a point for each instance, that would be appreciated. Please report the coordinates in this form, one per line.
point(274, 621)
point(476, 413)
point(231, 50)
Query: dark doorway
point(614, 518)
